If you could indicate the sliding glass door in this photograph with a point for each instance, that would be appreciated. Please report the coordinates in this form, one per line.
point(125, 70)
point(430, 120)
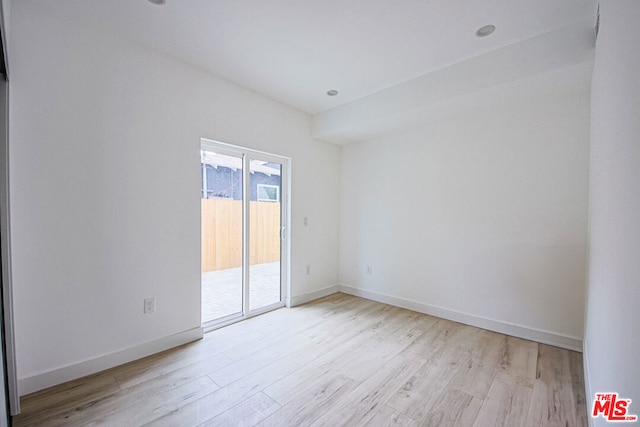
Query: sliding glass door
point(221, 235)
point(265, 230)
point(244, 238)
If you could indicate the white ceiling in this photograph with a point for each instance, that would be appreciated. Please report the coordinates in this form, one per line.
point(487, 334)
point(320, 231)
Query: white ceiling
point(296, 50)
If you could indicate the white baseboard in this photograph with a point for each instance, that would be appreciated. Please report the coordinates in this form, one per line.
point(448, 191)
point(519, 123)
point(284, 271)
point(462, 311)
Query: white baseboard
point(91, 366)
point(544, 337)
point(320, 293)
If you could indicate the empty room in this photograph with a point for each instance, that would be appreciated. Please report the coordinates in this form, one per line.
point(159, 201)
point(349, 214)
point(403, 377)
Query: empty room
point(330, 213)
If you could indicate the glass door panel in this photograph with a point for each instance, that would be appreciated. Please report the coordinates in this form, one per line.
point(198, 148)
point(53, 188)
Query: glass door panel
point(265, 228)
point(221, 240)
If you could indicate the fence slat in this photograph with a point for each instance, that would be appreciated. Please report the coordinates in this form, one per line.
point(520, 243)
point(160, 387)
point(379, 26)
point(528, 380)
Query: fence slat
point(222, 233)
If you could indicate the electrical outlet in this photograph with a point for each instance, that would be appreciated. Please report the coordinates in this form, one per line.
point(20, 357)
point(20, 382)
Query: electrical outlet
point(369, 269)
point(308, 270)
point(149, 305)
point(305, 221)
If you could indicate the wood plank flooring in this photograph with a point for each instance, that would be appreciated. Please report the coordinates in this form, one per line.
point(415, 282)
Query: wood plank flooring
point(338, 361)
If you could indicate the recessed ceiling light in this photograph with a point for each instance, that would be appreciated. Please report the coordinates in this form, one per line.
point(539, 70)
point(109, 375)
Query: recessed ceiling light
point(158, 2)
point(332, 92)
point(485, 31)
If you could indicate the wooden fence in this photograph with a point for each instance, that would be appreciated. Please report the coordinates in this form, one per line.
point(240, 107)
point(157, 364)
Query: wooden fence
point(222, 233)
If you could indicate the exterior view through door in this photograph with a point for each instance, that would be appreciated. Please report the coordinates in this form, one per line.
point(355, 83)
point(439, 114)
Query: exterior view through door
point(244, 213)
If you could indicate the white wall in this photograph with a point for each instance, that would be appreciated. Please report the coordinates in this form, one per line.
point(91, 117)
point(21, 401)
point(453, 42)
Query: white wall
point(480, 215)
point(612, 341)
point(105, 140)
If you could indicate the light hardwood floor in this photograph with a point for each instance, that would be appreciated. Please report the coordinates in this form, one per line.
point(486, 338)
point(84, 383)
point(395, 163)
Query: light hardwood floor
point(337, 361)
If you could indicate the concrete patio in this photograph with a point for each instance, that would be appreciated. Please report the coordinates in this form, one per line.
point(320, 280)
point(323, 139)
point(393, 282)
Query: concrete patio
point(222, 290)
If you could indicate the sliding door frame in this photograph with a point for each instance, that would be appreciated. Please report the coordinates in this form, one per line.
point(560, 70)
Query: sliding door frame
point(247, 155)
